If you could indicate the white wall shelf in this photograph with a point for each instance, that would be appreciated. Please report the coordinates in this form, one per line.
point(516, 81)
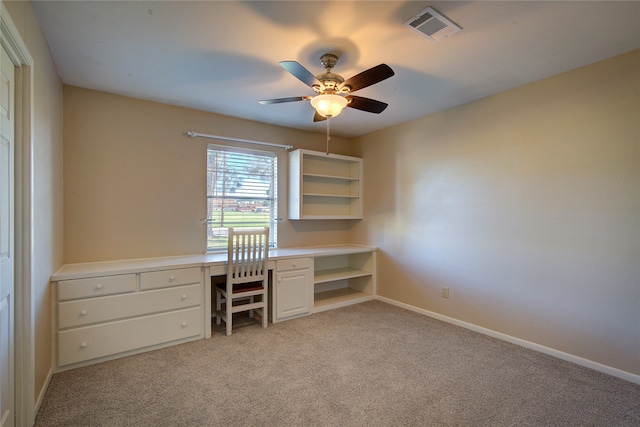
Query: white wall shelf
point(333, 274)
point(324, 186)
point(346, 196)
point(330, 177)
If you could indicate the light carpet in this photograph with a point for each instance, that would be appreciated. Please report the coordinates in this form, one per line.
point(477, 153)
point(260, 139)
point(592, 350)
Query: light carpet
point(370, 364)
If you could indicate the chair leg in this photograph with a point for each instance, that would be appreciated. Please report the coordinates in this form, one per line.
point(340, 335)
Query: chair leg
point(265, 308)
point(251, 300)
point(229, 321)
point(218, 306)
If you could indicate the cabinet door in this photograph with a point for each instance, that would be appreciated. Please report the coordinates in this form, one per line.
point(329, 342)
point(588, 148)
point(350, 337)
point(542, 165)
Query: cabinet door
point(293, 294)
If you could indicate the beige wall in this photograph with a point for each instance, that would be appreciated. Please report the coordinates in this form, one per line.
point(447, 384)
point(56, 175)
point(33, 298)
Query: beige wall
point(526, 205)
point(47, 182)
point(135, 186)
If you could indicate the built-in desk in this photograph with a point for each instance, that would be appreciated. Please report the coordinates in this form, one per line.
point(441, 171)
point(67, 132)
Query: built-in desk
point(111, 309)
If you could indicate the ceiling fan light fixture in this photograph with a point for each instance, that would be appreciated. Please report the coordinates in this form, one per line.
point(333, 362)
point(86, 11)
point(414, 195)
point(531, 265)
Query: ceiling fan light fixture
point(329, 105)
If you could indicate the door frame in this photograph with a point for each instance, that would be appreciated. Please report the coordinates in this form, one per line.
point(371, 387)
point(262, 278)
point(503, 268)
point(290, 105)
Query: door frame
point(24, 358)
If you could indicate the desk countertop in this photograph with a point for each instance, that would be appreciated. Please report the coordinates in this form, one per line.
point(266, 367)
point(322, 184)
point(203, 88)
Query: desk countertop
point(107, 268)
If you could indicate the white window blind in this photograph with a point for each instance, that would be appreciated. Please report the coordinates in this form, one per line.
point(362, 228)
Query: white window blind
point(241, 192)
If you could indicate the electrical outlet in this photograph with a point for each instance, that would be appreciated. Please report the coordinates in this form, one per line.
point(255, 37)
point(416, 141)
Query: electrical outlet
point(445, 293)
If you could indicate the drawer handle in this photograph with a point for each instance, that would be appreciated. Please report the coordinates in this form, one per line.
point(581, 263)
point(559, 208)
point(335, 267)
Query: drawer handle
point(83, 345)
point(184, 296)
point(99, 286)
point(184, 324)
point(293, 264)
point(172, 278)
point(279, 279)
point(83, 313)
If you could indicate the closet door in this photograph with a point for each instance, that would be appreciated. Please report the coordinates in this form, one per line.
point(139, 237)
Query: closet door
point(7, 259)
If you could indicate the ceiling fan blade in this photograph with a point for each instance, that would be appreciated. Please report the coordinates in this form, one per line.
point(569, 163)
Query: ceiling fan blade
point(368, 77)
point(300, 73)
point(281, 100)
point(318, 118)
point(366, 104)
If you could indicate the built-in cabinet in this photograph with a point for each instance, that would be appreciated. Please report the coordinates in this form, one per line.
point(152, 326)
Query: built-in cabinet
point(343, 279)
point(103, 311)
point(330, 279)
point(292, 290)
point(324, 186)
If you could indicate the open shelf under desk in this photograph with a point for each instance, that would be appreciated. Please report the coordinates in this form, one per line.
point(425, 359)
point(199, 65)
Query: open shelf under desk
point(338, 298)
point(323, 276)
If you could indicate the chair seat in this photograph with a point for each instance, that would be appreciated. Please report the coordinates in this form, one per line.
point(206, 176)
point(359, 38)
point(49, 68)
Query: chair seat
point(242, 287)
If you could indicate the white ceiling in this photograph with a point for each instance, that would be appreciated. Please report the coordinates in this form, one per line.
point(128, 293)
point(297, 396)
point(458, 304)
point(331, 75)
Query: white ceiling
point(222, 56)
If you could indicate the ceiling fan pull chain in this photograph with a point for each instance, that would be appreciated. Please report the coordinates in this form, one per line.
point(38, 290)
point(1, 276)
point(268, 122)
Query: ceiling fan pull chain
point(328, 136)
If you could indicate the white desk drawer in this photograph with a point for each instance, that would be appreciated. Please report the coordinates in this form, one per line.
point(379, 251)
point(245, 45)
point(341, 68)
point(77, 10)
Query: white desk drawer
point(292, 264)
point(96, 286)
point(94, 310)
point(168, 278)
point(91, 342)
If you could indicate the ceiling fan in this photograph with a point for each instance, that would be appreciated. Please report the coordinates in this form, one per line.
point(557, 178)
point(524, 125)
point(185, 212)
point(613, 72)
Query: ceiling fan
point(330, 88)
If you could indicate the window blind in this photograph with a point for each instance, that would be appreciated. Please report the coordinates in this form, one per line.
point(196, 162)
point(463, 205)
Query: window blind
point(241, 192)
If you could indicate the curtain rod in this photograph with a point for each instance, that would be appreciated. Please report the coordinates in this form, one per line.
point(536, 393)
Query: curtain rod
point(192, 134)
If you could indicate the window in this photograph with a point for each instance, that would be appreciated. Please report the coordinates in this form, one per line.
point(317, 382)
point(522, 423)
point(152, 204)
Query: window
point(241, 192)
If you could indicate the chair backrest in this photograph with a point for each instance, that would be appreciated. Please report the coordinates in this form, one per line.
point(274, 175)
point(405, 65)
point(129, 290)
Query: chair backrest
point(248, 253)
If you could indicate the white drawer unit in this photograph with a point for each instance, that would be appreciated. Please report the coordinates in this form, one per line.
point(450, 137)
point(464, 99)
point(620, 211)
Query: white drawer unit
point(96, 286)
point(169, 278)
point(105, 317)
point(292, 292)
point(292, 264)
point(92, 342)
point(94, 310)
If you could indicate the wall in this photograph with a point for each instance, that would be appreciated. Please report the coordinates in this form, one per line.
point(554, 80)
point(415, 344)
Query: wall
point(47, 239)
point(525, 205)
point(135, 186)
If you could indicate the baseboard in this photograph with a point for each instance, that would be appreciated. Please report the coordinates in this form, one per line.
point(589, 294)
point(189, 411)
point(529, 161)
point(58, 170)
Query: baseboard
point(628, 376)
point(43, 392)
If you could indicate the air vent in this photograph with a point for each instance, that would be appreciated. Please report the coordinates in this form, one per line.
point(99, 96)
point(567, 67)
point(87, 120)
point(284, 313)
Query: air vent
point(433, 25)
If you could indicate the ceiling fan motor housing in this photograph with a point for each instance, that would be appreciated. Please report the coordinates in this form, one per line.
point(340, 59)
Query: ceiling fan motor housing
point(330, 81)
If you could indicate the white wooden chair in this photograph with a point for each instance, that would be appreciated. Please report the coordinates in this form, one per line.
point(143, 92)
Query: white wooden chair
point(247, 285)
